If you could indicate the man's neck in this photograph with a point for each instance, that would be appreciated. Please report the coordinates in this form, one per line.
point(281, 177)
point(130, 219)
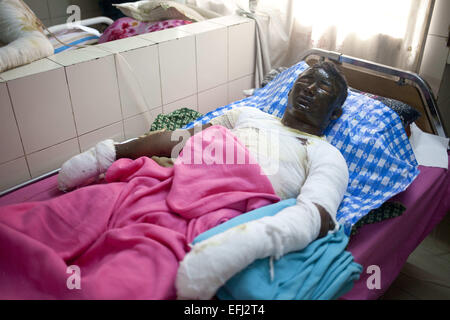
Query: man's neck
point(302, 127)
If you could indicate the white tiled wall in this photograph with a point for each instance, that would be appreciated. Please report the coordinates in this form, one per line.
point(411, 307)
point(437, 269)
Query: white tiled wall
point(440, 19)
point(236, 87)
point(178, 69)
point(241, 50)
point(13, 173)
point(444, 99)
point(139, 78)
point(212, 59)
point(436, 52)
point(436, 58)
point(114, 131)
point(57, 107)
point(43, 111)
point(189, 102)
point(212, 98)
point(51, 158)
point(9, 133)
point(140, 124)
point(95, 94)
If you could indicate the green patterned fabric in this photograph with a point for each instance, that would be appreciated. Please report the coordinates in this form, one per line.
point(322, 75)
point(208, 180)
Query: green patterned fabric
point(388, 210)
point(175, 120)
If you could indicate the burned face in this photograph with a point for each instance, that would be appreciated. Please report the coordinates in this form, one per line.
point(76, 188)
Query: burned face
point(313, 101)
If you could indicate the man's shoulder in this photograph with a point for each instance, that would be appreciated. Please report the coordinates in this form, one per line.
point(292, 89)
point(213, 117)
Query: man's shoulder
point(319, 142)
point(252, 113)
point(252, 110)
point(325, 147)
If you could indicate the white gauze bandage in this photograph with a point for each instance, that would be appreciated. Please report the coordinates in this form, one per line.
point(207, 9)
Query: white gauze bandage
point(87, 166)
point(214, 261)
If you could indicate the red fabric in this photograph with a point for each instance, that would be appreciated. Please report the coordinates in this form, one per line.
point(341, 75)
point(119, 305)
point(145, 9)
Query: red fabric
point(129, 235)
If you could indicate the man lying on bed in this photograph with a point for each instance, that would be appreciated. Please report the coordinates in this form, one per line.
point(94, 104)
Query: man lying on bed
point(308, 168)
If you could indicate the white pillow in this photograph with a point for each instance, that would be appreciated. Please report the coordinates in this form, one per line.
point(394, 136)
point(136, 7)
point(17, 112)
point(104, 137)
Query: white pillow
point(149, 11)
point(22, 35)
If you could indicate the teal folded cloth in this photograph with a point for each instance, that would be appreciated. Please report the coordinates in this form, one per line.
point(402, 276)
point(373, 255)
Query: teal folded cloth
point(324, 270)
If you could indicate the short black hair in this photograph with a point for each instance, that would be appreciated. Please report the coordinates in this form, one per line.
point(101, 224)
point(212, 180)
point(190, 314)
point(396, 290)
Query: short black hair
point(332, 69)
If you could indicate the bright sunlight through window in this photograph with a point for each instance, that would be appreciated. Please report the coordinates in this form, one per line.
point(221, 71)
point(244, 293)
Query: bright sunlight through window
point(361, 17)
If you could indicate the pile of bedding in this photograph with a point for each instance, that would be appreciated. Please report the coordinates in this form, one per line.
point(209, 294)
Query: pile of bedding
point(142, 17)
point(138, 18)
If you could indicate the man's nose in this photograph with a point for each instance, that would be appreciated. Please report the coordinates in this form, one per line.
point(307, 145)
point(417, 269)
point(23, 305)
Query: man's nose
point(312, 87)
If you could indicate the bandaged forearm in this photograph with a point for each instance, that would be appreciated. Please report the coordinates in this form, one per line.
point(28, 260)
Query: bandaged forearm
point(327, 178)
point(87, 165)
point(214, 261)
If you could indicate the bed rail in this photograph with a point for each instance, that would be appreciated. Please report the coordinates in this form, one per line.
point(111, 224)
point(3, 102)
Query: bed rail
point(427, 96)
point(85, 22)
point(29, 182)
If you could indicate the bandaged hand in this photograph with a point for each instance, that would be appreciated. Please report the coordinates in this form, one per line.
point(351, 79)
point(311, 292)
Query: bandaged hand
point(212, 262)
point(86, 166)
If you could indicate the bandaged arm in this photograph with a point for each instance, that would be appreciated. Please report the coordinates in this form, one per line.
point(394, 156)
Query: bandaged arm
point(214, 261)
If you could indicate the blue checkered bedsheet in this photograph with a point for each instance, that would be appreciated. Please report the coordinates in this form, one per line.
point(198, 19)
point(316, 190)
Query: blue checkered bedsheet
point(369, 135)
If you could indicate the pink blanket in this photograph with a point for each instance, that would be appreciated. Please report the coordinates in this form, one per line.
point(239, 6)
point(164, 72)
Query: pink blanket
point(128, 236)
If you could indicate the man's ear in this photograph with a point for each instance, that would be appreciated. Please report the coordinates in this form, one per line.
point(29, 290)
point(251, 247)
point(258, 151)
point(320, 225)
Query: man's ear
point(337, 113)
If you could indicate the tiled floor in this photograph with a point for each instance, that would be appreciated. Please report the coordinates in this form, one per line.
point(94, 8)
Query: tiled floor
point(426, 275)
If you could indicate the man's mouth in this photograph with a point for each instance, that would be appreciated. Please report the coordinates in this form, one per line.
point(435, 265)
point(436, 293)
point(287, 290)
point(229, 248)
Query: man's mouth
point(303, 103)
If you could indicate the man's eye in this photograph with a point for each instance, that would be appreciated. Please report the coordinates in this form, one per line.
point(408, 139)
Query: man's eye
point(304, 82)
point(326, 87)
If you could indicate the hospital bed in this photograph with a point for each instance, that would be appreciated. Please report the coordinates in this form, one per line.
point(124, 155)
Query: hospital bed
point(386, 244)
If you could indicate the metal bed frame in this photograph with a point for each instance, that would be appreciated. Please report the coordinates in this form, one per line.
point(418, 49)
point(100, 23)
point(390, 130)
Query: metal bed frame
point(403, 77)
point(85, 22)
